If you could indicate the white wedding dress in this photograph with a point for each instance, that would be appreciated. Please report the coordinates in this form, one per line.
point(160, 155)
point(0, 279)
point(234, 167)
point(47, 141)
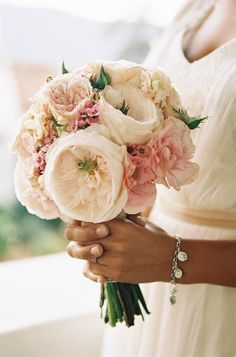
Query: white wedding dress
point(203, 321)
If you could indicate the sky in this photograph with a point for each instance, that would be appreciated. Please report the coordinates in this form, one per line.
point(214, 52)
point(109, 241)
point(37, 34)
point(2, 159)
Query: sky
point(157, 12)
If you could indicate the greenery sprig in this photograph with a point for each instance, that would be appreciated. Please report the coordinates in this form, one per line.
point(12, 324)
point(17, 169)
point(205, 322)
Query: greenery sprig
point(191, 122)
point(102, 80)
point(64, 70)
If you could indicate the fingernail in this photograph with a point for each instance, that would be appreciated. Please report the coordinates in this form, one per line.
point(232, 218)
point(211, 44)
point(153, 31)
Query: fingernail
point(99, 280)
point(102, 231)
point(96, 251)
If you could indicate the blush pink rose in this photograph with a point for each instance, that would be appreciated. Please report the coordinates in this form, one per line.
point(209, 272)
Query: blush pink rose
point(172, 151)
point(65, 94)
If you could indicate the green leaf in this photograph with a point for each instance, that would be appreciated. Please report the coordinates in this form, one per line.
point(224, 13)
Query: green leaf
point(191, 122)
point(64, 70)
point(124, 108)
point(102, 80)
point(195, 123)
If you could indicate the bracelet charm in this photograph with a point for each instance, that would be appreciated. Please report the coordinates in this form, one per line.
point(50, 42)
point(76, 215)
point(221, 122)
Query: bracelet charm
point(176, 272)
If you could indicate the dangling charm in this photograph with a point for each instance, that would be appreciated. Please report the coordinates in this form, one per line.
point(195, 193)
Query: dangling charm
point(176, 272)
point(182, 256)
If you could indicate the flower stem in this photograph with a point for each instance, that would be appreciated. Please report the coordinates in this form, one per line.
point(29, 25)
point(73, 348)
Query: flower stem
point(111, 310)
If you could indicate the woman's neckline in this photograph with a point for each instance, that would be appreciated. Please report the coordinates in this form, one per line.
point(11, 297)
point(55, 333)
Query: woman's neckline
point(194, 28)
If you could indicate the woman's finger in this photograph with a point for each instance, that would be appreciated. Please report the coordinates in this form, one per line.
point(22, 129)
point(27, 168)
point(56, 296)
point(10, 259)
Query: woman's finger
point(84, 252)
point(94, 277)
point(84, 234)
point(137, 219)
point(100, 269)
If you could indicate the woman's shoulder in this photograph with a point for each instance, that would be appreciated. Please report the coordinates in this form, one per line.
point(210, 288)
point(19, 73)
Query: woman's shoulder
point(191, 11)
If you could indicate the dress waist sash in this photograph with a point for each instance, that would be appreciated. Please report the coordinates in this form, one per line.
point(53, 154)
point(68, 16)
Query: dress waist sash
point(212, 218)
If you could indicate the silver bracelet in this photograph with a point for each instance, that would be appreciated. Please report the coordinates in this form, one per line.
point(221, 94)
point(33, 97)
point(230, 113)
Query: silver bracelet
point(176, 272)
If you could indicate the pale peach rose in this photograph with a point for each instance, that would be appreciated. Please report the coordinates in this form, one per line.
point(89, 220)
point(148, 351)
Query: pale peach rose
point(65, 94)
point(31, 192)
point(84, 175)
point(172, 153)
point(34, 127)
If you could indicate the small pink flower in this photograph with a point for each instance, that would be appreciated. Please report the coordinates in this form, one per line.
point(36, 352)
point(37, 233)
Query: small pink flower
point(50, 139)
point(143, 150)
point(93, 111)
point(73, 125)
point(39, 157)
point(89, 114)
point(81, 123)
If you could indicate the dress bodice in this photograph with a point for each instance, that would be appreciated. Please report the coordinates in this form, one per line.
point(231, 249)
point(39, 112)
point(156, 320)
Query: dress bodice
point(207, 87)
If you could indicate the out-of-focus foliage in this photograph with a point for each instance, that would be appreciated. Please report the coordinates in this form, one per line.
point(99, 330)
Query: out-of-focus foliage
point(24, 235)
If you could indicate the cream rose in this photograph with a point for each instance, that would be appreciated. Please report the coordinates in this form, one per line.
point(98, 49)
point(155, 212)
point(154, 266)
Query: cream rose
point(157, 86)
point(124, 128)
point(33, 129)
point(84, 175)
point(128, 112)
point(120, 71)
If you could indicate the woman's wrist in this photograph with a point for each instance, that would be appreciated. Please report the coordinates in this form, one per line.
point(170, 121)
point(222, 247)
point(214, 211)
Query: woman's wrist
point(164, 260)
point(209, 262)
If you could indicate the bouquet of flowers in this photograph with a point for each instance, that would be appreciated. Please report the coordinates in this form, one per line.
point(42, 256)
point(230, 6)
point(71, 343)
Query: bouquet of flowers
point(94, 143)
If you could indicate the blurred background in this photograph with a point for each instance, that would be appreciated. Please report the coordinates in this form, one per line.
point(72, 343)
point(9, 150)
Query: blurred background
point(35, 36)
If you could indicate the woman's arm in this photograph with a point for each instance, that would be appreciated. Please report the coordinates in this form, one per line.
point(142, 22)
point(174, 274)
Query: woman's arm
point(138, 251)
point(210, 261)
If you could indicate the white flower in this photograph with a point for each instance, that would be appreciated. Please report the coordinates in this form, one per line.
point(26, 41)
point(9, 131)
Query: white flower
point(119, 71)
point(84, 175)
point(157, 86)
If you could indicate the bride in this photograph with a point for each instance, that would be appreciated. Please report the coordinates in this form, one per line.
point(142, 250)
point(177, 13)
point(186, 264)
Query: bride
point(198, 51)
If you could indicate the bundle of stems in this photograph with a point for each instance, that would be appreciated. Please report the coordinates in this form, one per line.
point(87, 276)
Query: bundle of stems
point(123, 302)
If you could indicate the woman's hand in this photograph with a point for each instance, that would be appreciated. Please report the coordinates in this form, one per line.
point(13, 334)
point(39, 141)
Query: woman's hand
point(134, 250)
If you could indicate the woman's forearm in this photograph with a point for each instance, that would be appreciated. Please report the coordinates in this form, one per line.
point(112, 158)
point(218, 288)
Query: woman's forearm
point(209, 261)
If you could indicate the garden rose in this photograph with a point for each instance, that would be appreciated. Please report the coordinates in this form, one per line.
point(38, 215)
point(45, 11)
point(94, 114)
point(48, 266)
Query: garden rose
point(140, 121)
point(172, 151)
point(65, 94)
point(33, 129)
point(157, 86)
point(131, 115)
point(84, 175)
point(119, 72)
